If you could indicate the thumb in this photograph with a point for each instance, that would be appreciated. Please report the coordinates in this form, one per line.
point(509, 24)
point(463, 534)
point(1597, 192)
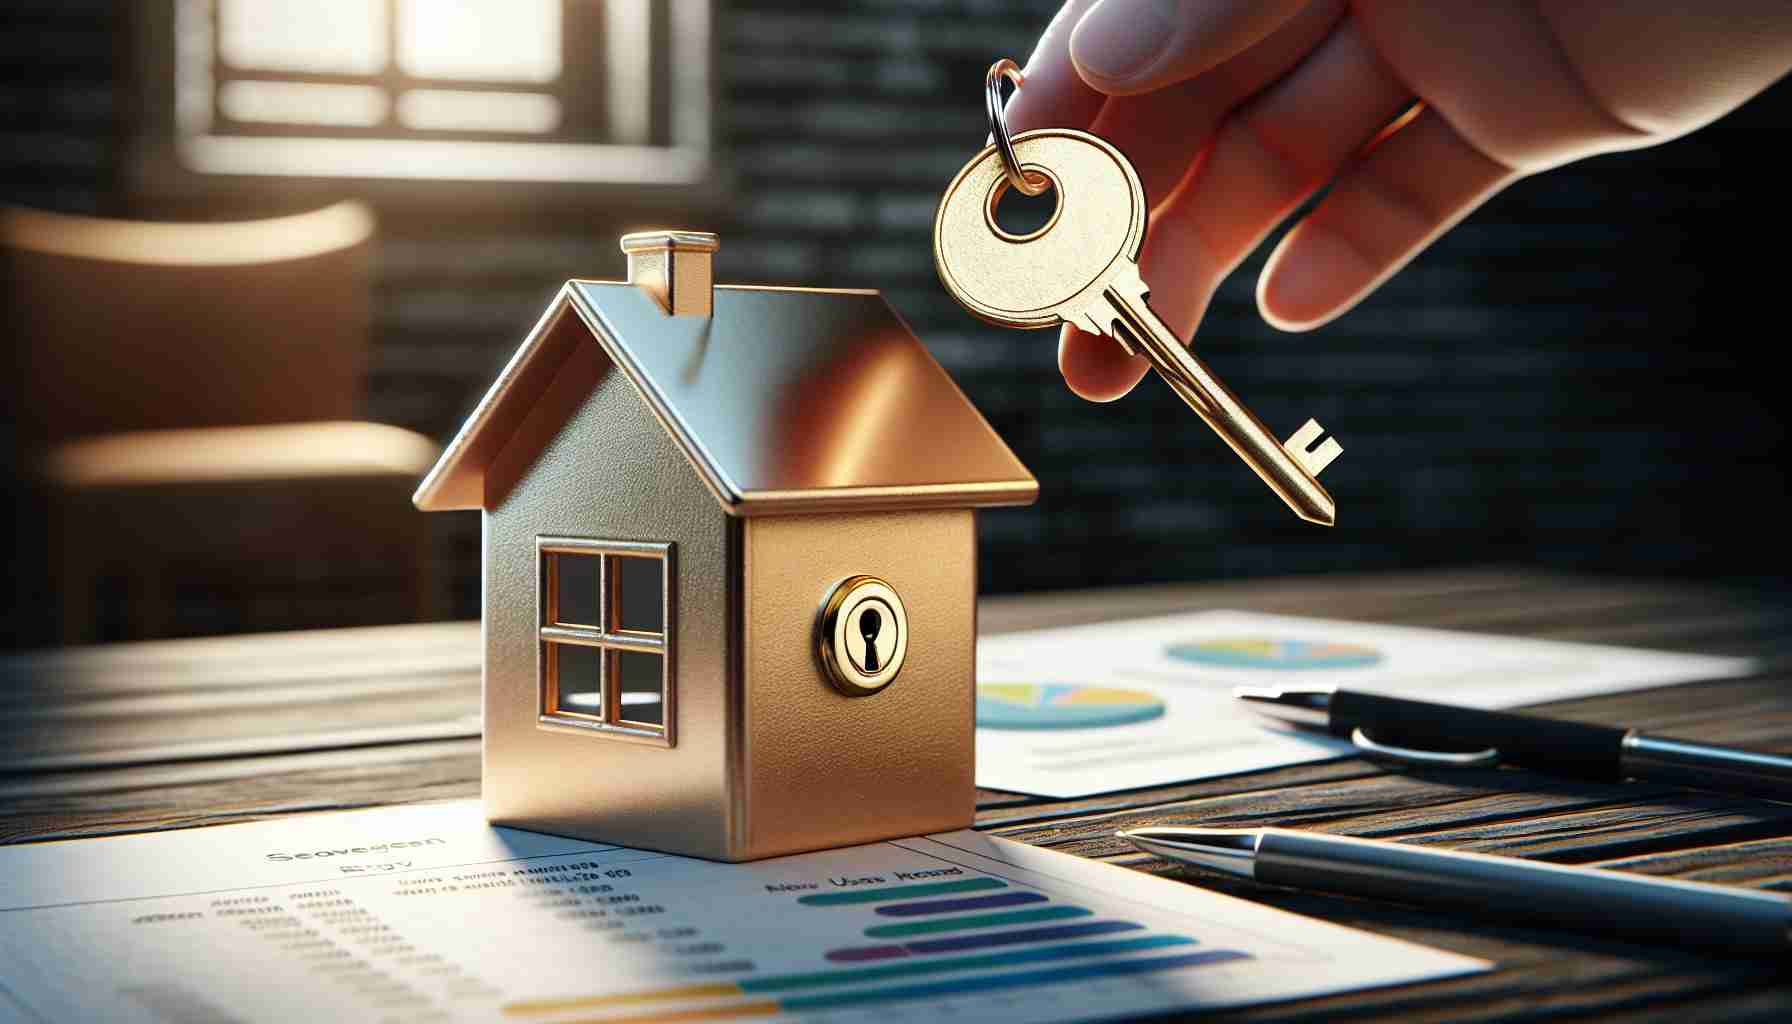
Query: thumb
point(1122, 47)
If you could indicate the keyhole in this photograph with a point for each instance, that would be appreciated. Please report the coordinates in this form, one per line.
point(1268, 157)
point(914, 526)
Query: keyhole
point(870, 624)
point(1019, 217)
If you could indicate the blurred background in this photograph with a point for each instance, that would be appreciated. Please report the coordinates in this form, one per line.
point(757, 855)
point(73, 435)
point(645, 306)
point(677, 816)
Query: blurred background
point(262, 257)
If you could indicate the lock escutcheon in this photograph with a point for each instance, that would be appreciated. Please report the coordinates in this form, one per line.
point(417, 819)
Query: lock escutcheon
point(863, 635)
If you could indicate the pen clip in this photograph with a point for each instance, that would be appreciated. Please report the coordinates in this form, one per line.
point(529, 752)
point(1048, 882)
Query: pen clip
point(1427, 758)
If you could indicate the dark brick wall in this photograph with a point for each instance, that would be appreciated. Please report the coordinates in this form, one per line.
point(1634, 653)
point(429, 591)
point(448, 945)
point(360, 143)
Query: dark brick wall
point(1583, 375)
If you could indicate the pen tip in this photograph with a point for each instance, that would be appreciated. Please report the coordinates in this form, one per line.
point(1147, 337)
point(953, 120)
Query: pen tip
point(1309, 706)
point(1229, 850)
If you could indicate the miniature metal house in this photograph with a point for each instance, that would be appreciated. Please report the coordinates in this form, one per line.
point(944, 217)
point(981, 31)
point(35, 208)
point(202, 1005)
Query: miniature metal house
point(730, 565)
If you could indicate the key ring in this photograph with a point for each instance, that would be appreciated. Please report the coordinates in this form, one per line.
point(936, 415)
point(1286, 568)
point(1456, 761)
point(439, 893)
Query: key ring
point(1028, 184)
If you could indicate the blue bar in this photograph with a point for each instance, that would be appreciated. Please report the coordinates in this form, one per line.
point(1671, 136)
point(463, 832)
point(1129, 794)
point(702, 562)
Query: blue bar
point(959, 943)
point(1019, 979)
point(1001, 899)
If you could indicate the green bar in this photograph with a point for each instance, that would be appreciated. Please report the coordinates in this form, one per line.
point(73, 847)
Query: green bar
point(958, 924)
point(908, 969)
point(899, 892)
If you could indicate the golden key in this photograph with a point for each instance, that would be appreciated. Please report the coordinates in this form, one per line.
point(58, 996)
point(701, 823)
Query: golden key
point(1082, 268)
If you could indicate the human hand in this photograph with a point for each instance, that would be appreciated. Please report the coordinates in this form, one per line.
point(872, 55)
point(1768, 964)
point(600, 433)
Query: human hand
point(1236, 111)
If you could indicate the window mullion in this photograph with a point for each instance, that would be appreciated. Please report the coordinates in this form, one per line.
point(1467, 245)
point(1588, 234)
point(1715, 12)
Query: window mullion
point(641, 642)
point(575, 635)
point(606, 594)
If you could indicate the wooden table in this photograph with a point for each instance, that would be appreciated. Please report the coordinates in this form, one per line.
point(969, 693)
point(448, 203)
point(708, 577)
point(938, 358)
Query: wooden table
point(179, 734)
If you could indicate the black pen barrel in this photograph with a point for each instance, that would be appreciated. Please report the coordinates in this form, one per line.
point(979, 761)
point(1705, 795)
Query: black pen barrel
point(1546, 744)
point(1693, 915)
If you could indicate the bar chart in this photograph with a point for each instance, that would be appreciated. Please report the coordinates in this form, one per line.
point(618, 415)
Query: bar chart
point(957, 939)
point(426, 913)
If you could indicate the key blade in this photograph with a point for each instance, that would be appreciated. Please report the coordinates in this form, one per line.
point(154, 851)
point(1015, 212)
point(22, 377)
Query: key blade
point(1274, 463)
point(1313, 460)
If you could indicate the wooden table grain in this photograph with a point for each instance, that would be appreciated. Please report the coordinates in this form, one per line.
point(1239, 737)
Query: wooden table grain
point(180, 734)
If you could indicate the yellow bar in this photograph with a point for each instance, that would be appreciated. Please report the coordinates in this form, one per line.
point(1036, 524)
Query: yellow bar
point(765, 1008)
point(720, 988)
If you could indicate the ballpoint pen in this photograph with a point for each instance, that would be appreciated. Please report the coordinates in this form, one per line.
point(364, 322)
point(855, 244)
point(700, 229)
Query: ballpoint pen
point(1578, 749)
point(1577, 898)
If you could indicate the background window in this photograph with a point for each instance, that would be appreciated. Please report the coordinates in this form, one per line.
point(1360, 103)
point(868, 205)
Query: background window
point(523, 90)
point(606, 636)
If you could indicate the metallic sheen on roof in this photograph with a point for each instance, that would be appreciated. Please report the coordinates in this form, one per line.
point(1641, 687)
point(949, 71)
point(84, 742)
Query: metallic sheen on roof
point(785, 400)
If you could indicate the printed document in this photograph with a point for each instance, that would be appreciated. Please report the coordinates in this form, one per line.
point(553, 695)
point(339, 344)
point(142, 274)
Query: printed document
point(426, 913)
point(1148, 702)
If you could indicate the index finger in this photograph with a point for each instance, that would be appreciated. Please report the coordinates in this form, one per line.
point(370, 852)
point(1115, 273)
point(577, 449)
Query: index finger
point(1054, 95)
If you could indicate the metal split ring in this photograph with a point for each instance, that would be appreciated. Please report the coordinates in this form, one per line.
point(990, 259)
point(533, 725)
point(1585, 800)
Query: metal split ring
point(1029, 183)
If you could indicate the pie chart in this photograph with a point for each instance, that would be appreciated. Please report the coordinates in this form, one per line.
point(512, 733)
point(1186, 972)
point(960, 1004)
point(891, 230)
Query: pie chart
point(1273, 653)
point(1062, 706)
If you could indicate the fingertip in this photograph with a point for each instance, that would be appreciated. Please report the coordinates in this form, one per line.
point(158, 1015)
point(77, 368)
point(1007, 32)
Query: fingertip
point(1054, 95)
point(1312, 278)
point(1097, 368)
point(1116, 46)
point(1127, 47)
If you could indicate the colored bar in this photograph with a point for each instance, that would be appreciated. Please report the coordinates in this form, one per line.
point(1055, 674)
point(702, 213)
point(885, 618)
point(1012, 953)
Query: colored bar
point(993, 982)
point(1021, 937)
point(965, 924)
point(1001, 899)
point(963, 942)
point(701, 991)
point(856, 953)
point(914, 968)
point(896, 892)
point(764, 1008)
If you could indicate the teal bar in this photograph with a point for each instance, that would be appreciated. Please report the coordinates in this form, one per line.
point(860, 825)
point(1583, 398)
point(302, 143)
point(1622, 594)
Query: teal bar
point(899, 892)
point(970, 921)
point(911, 968)
point(1017, 979)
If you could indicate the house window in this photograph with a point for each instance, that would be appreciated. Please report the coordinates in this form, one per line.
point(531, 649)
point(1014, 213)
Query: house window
point(616, 91)
point(606, 629)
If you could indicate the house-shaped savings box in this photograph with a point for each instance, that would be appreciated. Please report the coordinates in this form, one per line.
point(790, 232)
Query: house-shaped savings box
point(730, 565)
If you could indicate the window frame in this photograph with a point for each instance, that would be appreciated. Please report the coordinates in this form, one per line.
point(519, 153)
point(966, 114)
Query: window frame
point(608, 638)
point(160, 166)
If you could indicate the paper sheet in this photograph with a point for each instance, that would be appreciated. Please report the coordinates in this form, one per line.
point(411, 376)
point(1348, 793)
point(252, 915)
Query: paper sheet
point(424, 912)
point(1147, 702)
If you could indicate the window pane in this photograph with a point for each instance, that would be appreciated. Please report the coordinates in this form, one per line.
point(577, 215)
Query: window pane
point(638, 678)
point(316, 35)
point(302, 103)
point(490, 40)
point(579, 685)
point(464, 110)
point(577, 591)
point(638, 594)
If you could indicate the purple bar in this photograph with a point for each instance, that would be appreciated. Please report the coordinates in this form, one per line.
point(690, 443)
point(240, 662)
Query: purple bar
point(1001, 899)
point(1054, 933)
point(855, 953)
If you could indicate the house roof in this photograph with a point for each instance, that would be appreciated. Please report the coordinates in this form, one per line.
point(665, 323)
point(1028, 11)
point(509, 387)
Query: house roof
point(785, 400)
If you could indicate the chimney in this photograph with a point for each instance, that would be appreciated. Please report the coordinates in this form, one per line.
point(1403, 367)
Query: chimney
point(673, 266)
